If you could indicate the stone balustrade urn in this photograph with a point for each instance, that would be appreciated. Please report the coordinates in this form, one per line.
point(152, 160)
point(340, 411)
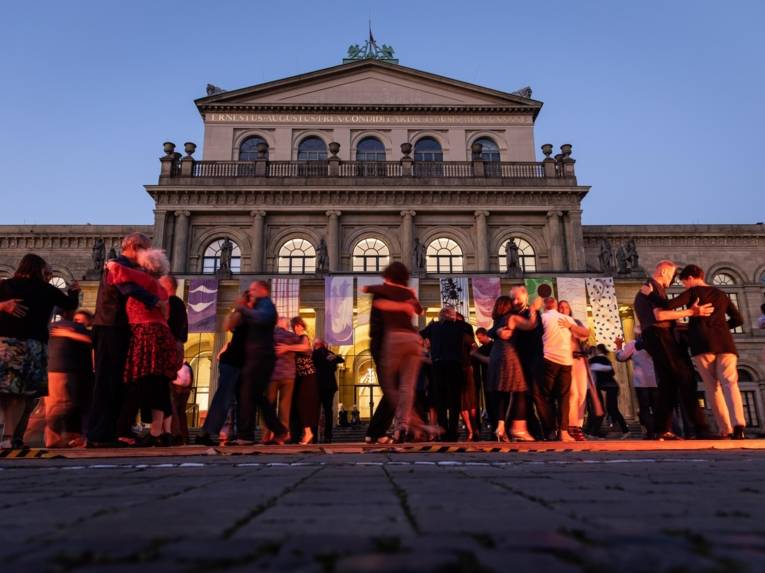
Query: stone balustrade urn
point(169, 148)
point(189, 147)
point(406, 148)
point(334, 148)
point(547, 149)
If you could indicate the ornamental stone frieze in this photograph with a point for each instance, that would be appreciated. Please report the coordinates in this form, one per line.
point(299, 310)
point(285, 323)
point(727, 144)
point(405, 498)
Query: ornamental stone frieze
point(394, 198)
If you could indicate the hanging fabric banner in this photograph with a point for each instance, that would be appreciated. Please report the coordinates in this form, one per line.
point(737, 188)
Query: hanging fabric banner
point(486, 290)
point(605, 311)
point(244, 284)
point(541, 286)
point(574, 291)
point(286, 296)
point(454, 292)
point(202, 307)
point(364, 305)
point(338, 310)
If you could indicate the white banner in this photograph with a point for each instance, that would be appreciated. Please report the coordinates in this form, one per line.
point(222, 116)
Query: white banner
point(574, 291)
point(605, 311)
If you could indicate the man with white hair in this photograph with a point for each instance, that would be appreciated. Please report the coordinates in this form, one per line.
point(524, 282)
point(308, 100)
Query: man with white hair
point(674, 371)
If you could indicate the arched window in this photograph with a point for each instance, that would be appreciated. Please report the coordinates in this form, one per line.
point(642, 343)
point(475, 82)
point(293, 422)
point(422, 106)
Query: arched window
point(723, 279)
point(489, 149)
point(428, 158)
point(428, 149)
point(762, 278)
point(312, 149)
point(526, 256)
point(370, 255)
point(211, 257)
point(370, 149)
point(58, 282)
point(444, 256)
point(745, 375)
point(248, 150)
point(297, 256)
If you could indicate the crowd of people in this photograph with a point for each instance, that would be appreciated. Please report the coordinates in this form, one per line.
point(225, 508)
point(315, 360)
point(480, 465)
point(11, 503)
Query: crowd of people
point(532, 376)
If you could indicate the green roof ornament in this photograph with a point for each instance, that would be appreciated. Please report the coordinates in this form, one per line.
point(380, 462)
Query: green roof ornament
point(370, 51)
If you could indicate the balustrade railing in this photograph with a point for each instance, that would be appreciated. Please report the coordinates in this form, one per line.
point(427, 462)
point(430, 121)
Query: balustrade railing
point(519, 170)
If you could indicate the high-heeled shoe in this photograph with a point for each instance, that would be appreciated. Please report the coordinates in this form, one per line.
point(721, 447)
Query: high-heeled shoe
point(521, 437)
point(501, 436)
point(307, 439)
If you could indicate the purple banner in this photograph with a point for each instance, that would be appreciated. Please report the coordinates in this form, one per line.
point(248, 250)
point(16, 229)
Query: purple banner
point(203, 304)
point(338, 306)
point(486, 290)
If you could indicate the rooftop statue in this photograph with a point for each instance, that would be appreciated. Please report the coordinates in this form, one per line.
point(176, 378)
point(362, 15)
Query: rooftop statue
point(370, 51)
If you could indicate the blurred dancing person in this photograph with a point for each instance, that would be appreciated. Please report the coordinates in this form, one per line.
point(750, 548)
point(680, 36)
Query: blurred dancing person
point(26, 304)
point(580, 374)
point(643, 380)
point(505, 375)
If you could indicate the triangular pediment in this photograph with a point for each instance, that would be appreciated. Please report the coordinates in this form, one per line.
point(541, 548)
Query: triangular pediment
point(369, 83)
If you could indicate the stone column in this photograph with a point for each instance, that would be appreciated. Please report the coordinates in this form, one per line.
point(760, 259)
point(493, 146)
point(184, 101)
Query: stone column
point(407, 239)
point(481, 241)
point(160, 229)
point(333, 238)
point(574, 240)
point(181, 241)
point(256, 239)
point(557, 240)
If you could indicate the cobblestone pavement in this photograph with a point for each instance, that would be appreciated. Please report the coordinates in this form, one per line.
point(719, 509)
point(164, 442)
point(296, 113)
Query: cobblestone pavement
point(699, 511)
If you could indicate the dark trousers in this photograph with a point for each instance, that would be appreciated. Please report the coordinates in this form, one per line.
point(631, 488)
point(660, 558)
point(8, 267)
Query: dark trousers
point(612, 408)
point(110, 344)
point(179, 398)
point(448, 380)
point(648, 402)
point(534, 373)
point(327, 406)
point(253, 385)
point(385, 411)
point(224, 398)
point(674, 377)
point(552, 398)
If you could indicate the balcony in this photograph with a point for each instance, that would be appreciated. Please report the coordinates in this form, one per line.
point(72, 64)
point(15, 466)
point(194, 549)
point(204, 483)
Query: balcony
point(556, 172)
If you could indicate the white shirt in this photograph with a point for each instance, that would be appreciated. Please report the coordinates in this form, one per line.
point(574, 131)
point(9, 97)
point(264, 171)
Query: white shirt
point(643, 375)
point(556, 339)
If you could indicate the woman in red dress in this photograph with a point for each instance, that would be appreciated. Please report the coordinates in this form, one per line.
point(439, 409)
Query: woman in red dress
point(153, 359)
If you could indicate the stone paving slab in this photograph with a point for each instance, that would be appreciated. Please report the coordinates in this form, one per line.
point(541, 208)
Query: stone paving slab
point(658, 511)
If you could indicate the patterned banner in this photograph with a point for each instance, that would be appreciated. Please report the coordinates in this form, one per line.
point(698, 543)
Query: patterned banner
point(605, 311)
point(286, 296)
point(454, 292)
point(202, 307)
point(539, 287)
point(338, 310)
point(574, 291)
point(485, 291)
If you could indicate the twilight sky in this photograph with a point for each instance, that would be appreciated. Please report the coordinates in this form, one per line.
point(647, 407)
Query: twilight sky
point(662, 101)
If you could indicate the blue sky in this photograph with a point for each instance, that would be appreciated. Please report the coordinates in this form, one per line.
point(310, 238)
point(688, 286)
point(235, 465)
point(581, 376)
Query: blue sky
point(662, 101)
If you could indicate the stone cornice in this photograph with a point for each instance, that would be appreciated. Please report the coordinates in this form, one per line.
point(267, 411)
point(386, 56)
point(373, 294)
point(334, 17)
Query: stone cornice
point(394, 198)
point(351, 108)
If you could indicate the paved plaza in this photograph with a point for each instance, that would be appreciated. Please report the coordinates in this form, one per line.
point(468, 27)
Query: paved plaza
point(568, 511)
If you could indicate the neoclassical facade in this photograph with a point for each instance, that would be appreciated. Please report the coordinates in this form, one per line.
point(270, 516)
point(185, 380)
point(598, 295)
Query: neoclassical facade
point(342, 170)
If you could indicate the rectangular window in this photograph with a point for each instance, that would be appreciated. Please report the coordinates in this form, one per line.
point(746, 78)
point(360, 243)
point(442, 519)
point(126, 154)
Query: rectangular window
point(734, 299)
point(750, 408)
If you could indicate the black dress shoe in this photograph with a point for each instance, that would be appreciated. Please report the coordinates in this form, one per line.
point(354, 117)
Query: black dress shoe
point(738, 433)
point(205, 440)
